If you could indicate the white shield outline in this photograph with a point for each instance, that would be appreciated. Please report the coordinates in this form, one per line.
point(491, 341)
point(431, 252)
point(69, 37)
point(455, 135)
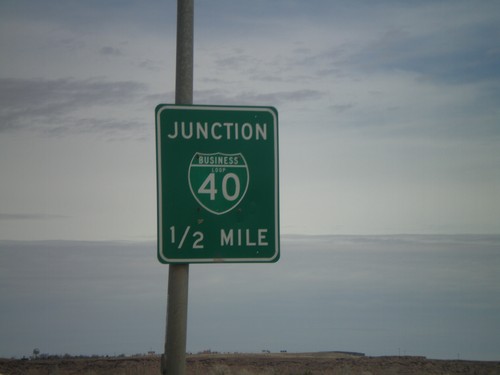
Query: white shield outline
point(245, 165)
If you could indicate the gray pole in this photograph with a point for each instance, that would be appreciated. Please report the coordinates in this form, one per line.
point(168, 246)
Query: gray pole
point(174, 359)
point(184, 61)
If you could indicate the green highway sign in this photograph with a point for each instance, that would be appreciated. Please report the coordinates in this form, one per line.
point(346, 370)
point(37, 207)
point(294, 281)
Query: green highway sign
point(217, 184)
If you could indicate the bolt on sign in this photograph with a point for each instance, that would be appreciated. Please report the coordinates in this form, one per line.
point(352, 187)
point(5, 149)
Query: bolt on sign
point(217, 184)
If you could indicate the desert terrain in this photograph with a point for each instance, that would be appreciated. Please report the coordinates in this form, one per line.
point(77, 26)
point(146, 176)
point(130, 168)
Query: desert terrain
point(253, 364)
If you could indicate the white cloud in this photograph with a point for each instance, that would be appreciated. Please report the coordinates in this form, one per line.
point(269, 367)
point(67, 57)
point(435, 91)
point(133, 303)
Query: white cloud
point(362, 293)
point(30, 216)
point(63, 106)
point(374, 137)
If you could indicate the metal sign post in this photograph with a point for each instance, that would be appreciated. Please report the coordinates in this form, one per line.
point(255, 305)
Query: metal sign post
point(174, 358)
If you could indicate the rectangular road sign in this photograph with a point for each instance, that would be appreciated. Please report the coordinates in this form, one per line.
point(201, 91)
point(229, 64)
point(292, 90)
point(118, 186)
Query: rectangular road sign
point(217, 184)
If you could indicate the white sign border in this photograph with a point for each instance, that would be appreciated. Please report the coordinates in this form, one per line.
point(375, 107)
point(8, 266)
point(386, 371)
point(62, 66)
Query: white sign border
point(195, 107)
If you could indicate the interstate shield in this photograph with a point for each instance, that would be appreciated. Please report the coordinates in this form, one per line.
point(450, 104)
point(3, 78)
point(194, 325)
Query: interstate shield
point(218, 181)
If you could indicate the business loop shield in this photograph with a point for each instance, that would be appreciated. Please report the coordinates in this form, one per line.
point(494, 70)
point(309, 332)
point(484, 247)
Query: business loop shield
point(218, 181)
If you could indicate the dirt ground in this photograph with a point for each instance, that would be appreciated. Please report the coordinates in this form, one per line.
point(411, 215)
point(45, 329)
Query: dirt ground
point(254, 364)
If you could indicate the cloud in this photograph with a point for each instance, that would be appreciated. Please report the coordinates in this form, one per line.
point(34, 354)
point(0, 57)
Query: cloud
point(439, 57)
point(352, 293)
point(362, 293)
point(77, 301)
point(339, 108)
point(110, 51)
point(421, 71)
point(56, 105)
point(151, 65)
point(4, 216)
point(164, 97)
point(108, 128)
point(449, 44)
point(393, 106)
point(217, 96)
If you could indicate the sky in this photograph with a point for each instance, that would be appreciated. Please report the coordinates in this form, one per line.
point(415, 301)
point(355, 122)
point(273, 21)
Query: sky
point(388, 124)
point(433, 296)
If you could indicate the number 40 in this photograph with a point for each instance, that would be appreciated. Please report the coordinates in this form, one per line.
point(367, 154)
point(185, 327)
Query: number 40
point(208, 186)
